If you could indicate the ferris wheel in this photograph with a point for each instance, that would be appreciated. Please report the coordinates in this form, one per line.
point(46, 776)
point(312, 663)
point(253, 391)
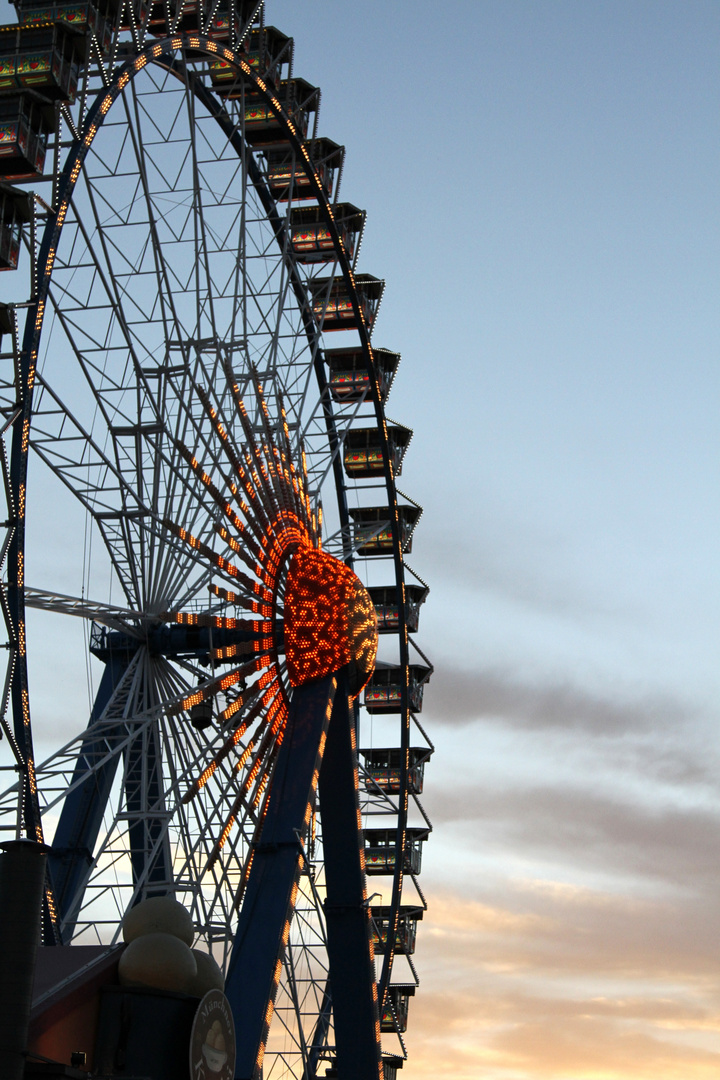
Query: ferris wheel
point(194, 368)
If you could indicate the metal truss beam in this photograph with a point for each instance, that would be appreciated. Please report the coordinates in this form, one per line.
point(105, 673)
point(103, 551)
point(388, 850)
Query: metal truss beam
point(277, 860)
point(352, 971)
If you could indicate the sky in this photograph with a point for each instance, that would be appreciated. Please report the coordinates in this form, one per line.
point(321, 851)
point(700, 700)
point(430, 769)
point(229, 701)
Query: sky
point(541, 186)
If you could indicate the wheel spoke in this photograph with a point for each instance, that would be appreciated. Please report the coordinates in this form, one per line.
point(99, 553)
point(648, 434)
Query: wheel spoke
point(183, 399)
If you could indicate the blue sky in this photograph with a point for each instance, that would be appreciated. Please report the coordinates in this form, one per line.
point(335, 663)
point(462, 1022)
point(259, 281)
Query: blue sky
point(547, 224)
point(541, 188)
point(541, 181)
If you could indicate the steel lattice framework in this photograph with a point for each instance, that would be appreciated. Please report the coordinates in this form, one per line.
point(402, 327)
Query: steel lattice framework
point(177, 375)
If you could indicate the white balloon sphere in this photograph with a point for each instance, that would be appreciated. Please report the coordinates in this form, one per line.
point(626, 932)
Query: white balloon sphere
point(160, 961)
point(209, 974)
point(158, 915)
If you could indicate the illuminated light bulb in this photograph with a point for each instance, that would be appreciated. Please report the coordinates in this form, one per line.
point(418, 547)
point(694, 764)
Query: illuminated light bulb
point(330, 621)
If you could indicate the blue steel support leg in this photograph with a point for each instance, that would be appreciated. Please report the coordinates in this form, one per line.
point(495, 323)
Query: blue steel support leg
point(352, 971)
point(267, 906)
point(83, 809)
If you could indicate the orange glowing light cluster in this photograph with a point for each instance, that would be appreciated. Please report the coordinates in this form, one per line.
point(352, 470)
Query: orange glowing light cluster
point(277, 572)
point(330, 621)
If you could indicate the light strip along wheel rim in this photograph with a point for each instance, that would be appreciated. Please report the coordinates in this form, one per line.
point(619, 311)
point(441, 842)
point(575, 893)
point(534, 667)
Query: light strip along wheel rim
point(154, 53)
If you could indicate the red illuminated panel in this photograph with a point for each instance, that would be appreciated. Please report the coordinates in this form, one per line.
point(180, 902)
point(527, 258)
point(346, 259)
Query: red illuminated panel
point(329, 621)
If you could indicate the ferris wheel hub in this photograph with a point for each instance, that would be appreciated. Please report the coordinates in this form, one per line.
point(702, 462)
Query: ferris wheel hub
point(330, 621)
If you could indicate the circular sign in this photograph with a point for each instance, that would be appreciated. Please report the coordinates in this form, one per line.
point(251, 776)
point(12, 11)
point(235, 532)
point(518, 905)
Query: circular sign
point(212, 1040)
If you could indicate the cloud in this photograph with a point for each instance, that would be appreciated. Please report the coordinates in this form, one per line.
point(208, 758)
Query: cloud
point(458, 696)
point(656, 738)
point(581, 828)
point(593, 1047)
point(525, 564)
point(551, 980)
point(535, 931)
point(494, 1035)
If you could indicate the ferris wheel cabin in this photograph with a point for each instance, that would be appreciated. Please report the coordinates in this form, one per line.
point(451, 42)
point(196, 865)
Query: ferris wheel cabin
point(405, 931)
point(332, 307)
point(287, 178)
point(266, 50)
point(311, 239)
point(43, 57)
point(381, 849)
point(395, 1012)
point(383, 769)
point(98, 18)
point(373, 533)
point(349, 379)
point(387, 608)
point(24, 125)
point(363, 454)
point(262, 127)
point(383, 694)
point(15, 212)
